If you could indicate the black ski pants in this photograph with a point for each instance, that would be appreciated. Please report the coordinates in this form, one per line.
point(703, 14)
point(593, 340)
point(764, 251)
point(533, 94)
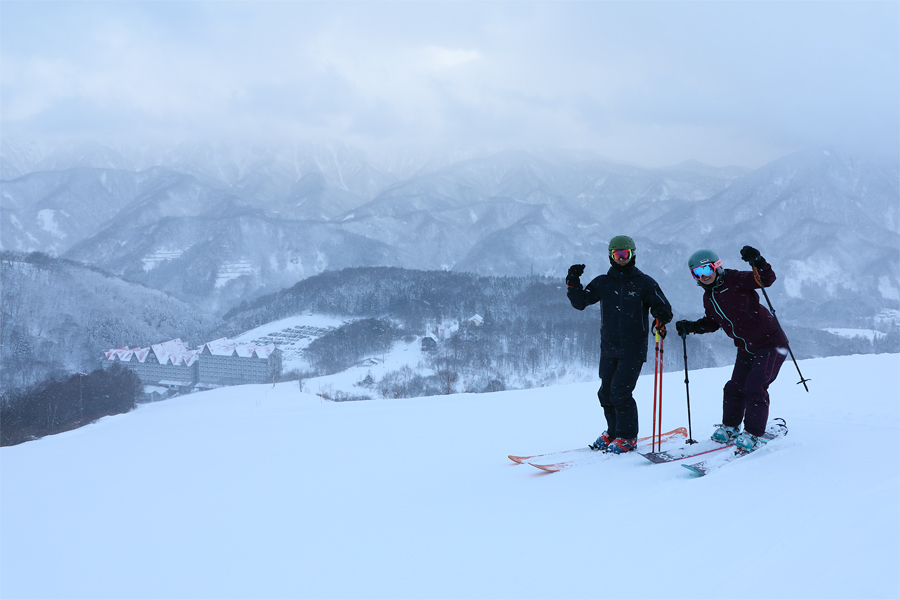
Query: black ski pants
point(618, 376)
point(746, 395)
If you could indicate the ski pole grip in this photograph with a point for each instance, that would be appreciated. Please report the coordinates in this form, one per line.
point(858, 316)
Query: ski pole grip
point(757, 277)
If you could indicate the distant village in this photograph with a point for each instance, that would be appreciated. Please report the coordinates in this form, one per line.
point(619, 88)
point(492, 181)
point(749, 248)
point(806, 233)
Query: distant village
point(172, 368)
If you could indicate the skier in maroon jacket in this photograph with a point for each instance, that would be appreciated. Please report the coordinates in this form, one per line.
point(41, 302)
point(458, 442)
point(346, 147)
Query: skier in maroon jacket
point(732, 304)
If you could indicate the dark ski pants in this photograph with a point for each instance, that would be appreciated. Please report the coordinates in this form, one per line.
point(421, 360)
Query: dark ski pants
point(746, 395)
point(618, 376)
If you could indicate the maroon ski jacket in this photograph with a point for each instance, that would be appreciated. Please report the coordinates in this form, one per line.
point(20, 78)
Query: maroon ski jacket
point(732, 304)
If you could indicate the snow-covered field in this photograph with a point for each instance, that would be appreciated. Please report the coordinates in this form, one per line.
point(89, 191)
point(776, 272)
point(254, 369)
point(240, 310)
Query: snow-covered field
point(267, 492)
point(292, 335)
point(869, 334)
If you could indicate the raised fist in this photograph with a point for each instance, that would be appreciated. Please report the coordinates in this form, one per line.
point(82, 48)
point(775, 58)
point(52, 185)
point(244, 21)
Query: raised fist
point(751, 255)
point(576, 270)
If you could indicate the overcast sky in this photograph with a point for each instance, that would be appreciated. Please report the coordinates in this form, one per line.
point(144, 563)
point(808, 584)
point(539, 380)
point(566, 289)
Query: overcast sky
point(652, 83)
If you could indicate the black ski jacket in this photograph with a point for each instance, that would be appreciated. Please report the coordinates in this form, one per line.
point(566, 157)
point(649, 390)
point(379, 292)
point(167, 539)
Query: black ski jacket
point(625, 297)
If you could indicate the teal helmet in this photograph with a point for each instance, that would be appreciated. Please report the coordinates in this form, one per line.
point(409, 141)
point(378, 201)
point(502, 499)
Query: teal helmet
point(702, 258)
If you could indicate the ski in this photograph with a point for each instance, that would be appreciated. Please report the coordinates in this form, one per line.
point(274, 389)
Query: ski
point(596, 456)
point(684, 452)
point(521, 460)
point(699, 449)
point(778, 428)
point(524, 459)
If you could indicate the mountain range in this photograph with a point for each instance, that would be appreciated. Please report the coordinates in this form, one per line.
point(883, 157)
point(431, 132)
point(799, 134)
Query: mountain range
point(214, 225)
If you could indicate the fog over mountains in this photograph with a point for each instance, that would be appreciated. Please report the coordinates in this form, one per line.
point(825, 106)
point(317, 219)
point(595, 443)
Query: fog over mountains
point(214, 225)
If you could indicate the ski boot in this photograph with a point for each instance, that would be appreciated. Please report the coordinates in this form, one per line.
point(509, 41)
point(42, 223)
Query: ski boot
point(724, 435)
point(622, 445)
point(602, 442)
point(746, 442)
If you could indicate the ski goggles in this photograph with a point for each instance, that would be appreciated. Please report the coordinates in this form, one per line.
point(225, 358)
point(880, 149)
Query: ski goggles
point(705, 270)
point(623, 254)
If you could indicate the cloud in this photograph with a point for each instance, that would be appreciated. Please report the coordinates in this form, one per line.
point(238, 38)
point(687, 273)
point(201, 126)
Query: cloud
point(650, 82)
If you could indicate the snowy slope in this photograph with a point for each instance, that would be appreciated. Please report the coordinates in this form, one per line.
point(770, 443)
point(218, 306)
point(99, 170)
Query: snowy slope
point(265, 492)
point(292, 336)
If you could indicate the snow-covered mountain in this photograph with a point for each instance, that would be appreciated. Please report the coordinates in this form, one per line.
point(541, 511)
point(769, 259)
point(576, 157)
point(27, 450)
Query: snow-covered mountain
point(217, 260)
point(212, 224)
point(57, 315)
point(270, 492)
point(50, 209)
point(831, 224)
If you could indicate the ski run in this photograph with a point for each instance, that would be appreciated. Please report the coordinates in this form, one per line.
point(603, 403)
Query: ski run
point(266, 492)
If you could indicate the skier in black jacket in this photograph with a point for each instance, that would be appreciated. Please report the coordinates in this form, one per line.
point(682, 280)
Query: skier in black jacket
point(625, 295)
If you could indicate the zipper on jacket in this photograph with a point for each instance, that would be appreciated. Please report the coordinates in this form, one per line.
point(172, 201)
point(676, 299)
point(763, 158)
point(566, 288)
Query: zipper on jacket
point(712, 296)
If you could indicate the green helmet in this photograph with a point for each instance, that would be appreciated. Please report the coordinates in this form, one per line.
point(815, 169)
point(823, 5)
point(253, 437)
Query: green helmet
point(621, 242)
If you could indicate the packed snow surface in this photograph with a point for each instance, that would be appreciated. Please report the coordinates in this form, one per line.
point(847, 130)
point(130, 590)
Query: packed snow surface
point(267, 492)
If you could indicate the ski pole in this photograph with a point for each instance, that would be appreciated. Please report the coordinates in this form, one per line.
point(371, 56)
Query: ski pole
point(687, 390)
point(659, 334)
point(662, 337)
point(780, 328)
point(655, 376)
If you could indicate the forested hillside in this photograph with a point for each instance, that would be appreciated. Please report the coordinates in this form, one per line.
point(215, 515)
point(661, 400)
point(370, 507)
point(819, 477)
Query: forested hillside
point(530, 335)
point(58, 316)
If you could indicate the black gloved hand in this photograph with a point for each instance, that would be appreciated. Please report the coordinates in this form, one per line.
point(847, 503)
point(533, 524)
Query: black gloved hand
point(684, 327)
point(752, 256)
point(663, 316)
point(575, 273)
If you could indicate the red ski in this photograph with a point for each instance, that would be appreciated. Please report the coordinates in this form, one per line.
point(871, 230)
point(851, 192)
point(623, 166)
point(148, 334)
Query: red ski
point(524, 459)
point(593, 457)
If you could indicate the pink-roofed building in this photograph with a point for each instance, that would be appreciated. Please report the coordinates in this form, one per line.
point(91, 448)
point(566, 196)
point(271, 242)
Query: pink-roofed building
point(225, 362)
point(170, 361)
point(220, 362)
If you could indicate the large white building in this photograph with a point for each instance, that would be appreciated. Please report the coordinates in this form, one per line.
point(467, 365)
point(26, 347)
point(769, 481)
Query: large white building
point(221, 362)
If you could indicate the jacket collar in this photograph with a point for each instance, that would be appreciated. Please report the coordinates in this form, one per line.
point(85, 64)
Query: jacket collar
point(720, 280)
point(627, 271)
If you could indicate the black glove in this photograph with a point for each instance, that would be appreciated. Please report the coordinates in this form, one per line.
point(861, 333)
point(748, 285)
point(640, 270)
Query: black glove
point(751, 255)
point(684, 327)
point(663, 316)
point(575, 273)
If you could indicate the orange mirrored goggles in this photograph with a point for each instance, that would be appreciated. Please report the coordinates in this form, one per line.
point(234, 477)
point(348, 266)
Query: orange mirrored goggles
point(623, 254)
